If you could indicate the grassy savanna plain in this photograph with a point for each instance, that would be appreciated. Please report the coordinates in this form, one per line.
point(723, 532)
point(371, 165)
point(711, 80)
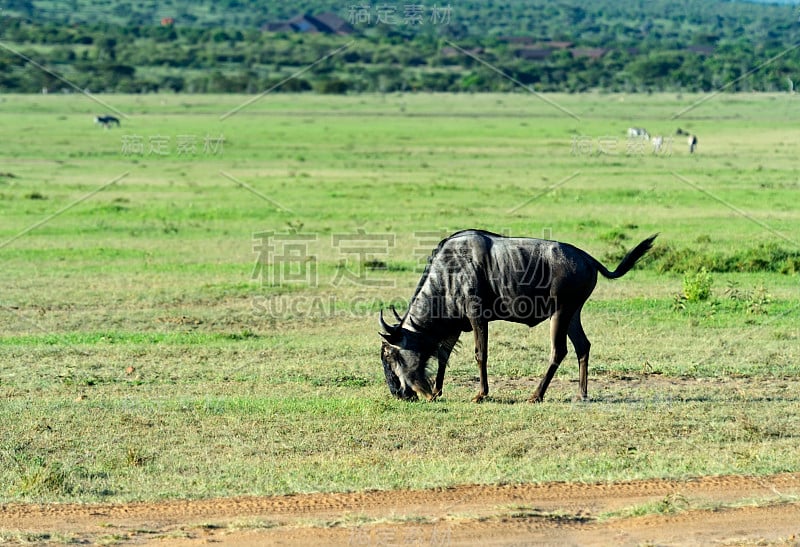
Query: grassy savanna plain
point(145, 354)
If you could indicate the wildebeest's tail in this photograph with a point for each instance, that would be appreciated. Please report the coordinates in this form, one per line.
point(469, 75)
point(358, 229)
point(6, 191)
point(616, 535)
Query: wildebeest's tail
point(630, 259)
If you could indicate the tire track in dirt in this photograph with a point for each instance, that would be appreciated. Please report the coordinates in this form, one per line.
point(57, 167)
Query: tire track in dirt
point(742, 526)
point(464, 512)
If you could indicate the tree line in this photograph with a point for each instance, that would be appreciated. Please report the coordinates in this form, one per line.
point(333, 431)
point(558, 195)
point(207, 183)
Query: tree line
point(606, 47)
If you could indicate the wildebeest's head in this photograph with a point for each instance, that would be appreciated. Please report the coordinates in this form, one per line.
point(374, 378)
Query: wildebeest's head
point(404, 356)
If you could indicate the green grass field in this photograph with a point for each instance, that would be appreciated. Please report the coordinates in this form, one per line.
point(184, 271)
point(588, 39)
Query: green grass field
point(145, 353)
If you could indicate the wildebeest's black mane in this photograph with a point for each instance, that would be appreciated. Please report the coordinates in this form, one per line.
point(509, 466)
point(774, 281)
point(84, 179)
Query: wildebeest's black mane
point(435, 252)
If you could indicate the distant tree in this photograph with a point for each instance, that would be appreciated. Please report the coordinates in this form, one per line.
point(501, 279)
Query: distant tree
point(172, 83)
point(335, 86)
point(106, 49)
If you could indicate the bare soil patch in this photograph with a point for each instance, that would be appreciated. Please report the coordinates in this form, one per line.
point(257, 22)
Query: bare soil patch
point(729, 510)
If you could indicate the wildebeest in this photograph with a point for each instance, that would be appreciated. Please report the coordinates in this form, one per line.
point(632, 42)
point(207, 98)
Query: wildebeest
point(474, 277)
point(692, 141)
point(106, 121)
point(638, 133)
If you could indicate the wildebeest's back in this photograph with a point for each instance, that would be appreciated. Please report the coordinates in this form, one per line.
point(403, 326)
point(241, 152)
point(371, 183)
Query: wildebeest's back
point(506, 278)
point(539, 275)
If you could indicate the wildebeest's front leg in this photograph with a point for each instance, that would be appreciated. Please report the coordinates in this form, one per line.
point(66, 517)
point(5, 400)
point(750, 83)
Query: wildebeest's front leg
point(481, 330)
point(443, 355)
point(559, 325)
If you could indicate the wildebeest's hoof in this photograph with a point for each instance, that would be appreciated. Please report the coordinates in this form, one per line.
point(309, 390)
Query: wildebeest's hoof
point(535, 399)
point(478, 398)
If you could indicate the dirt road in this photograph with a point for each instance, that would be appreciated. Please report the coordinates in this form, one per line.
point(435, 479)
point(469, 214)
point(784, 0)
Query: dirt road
point(710, 510)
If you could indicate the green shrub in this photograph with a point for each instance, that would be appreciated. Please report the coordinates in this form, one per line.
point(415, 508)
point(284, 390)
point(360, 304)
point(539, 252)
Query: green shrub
point(697, 286)
point(769, 257)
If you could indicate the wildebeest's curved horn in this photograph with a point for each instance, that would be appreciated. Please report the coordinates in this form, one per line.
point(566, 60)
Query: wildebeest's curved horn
point(391, 329)
point(397, 315)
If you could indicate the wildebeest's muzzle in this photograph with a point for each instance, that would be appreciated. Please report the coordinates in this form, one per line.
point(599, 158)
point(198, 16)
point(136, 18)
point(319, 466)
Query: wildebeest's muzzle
point(394, 383)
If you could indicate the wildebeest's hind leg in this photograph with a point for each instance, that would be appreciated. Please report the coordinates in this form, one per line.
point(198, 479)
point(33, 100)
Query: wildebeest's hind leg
point(481, 329)
point(581, 344)
point(559, 326)
point(443, 355)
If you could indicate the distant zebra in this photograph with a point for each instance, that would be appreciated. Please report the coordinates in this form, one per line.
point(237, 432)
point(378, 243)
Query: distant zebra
point(638, 133)
point(692, 143)
point(106, 121)
point(658, 142)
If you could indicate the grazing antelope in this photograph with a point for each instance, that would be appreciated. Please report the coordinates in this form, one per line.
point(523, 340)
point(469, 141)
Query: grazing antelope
point(474, 277)
point(692, 143)
point(106, 121)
